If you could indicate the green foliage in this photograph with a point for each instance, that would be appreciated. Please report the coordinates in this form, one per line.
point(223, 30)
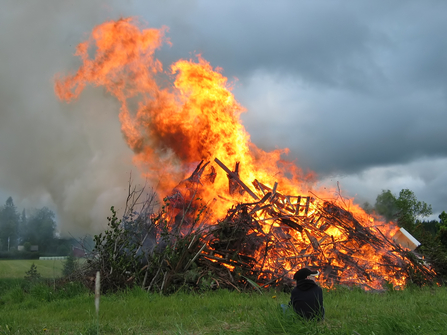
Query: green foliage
point(404, 209)
point(166, 263)
point(32, 275)
point(410, 209)
point(386, 205)
point(443, 218)
point(441, 235)
point(434, 252)
point(40, 228)
point(70, 265)
point(9, 226)
point(430, 227)
point(116, 256)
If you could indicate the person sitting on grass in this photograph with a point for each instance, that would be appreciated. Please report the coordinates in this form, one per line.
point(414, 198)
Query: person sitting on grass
point(307, 297)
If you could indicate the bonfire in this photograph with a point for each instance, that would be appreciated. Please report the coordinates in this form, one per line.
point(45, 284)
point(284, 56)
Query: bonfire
point(240, 216)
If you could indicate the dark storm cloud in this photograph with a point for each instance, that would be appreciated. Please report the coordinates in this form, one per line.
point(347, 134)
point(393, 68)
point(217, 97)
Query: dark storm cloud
point(374, 75)
point(327, 45)
point(356, 89)
point(349, 87)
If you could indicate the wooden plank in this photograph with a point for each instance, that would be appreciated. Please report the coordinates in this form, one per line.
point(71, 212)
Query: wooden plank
point(236, 178)
point(298, 205)
point(307, 205)
point(274, 190)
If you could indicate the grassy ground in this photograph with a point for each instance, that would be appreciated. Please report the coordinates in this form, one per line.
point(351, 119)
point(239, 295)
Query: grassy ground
point(41, 307)
point(17, 268)
point(71, 310)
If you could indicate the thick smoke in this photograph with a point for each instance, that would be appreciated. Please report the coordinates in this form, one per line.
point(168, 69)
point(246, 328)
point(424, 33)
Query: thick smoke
point(71, 158)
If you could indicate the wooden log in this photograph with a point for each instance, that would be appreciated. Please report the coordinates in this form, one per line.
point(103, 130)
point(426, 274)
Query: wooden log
point(233, 185)
point(236, 178)
point(258, 204)
point(197, 174)
point(274, 189)
point(307, 205)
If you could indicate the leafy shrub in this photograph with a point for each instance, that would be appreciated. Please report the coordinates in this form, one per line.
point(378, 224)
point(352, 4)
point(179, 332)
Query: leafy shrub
point(70, 265)
point(32, 275)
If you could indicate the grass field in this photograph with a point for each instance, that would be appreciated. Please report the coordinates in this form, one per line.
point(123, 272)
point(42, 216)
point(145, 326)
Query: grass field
point(40, 308)
point(17, 268)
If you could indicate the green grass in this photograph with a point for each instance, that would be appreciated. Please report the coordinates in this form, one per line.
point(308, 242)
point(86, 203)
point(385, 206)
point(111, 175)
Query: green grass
point(71, 311)
point(35, 308)
point(17, 268)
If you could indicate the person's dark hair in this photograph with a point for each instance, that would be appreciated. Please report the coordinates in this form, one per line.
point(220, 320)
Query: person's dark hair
point(304, 273)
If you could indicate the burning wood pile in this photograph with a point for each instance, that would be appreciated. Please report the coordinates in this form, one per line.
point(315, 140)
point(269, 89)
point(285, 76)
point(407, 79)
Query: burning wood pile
point(262, 243)
point(208, 234)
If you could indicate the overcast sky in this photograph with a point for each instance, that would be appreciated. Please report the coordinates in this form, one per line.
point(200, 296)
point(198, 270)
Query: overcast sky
point(356, 89)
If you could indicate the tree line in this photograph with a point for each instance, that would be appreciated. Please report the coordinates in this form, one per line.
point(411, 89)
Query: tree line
point(408, 212)
point(36, 227)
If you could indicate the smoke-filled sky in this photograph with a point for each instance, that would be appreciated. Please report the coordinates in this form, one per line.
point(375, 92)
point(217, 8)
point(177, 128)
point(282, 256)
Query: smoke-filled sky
point(356, 89)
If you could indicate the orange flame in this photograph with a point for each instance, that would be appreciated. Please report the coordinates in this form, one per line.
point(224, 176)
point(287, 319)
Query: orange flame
point(171, 127)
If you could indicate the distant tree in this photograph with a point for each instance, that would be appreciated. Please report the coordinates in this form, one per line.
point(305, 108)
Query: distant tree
point(40, 229)
point(410, 209)
point(22, 227)
point(431, 226)
point(443, 219)
point(434, 247)
point(405, 209)
point(9, 225)
point(386, 205)
point(441, 236)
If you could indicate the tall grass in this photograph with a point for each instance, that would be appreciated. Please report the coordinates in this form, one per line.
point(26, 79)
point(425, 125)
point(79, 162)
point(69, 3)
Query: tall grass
point(71, 310)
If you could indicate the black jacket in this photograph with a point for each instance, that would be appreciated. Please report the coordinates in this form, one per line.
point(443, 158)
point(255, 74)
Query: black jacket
point(307, 299)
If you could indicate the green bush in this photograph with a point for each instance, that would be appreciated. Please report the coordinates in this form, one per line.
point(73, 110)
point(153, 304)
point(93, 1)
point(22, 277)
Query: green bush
point(70, 265)
point(32, 275)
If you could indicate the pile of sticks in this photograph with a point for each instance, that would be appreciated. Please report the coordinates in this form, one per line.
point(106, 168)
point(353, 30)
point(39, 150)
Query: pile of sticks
point(257, 244)
point(262, 243)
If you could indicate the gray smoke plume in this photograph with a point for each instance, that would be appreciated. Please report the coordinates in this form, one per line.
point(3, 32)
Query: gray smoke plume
point(70, 158)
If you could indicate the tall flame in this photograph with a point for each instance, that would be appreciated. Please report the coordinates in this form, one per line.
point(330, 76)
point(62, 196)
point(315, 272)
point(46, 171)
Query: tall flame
point(171, 127)
point(174, 119)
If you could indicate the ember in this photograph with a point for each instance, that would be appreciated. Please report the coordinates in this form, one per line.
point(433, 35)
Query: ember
point(238, 233)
